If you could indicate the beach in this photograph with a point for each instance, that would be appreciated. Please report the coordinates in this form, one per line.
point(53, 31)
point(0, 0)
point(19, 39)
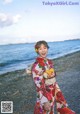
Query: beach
point(19, 87)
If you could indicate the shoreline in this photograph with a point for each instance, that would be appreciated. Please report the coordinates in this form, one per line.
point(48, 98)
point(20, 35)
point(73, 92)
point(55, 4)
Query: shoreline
point(19, 87)
point(55, 59)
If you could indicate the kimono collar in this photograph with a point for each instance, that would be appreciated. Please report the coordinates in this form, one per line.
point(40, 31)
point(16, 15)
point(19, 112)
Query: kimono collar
point(41, 61)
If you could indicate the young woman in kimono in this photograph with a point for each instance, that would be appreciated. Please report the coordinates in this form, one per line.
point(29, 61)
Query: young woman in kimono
point(48, 91)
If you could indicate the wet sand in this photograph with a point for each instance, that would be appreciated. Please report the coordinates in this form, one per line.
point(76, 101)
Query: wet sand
point(18, 87)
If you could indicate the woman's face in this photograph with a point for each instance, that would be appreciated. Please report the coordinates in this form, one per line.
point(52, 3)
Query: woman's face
point(42, 51)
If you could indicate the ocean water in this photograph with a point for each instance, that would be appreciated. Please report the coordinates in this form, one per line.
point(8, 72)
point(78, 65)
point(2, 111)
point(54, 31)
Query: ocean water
point(19, 56)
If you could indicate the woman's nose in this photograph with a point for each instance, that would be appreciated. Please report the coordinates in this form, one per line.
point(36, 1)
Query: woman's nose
point(43, 50)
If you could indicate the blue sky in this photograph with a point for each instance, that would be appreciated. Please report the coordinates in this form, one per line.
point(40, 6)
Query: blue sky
point(30, 20)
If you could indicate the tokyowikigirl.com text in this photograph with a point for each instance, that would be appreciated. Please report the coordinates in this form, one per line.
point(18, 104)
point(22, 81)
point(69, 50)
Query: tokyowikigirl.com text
point(55, 3)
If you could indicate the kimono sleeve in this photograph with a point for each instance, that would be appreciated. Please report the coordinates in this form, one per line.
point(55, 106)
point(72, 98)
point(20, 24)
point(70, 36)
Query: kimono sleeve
point(40, 84)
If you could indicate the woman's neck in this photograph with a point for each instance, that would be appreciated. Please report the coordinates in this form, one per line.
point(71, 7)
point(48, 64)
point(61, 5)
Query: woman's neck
point(43, 57)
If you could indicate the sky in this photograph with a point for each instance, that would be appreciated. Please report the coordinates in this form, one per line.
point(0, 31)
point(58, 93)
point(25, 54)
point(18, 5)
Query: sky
point(24, 21)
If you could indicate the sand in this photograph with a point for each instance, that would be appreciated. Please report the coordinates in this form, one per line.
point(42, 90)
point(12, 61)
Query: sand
point(18, 87)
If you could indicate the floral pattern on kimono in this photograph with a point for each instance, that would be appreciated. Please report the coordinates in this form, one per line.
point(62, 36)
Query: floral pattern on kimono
point(47, 93)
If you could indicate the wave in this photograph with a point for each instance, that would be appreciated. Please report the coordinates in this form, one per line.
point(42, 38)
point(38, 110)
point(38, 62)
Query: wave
point(10, 62)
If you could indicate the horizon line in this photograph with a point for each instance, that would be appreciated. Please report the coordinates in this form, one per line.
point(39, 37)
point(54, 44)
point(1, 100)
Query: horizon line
point(36, 41)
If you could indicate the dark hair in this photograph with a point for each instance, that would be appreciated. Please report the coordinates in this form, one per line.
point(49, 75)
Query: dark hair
point(38, 44)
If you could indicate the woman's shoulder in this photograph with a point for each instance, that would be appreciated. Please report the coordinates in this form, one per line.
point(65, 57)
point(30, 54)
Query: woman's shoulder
point(34, 65)
point(50, 61)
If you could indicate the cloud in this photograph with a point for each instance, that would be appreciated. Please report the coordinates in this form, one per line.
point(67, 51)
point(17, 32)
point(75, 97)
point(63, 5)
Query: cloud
point(8, 20)
point(16, 18)
point(7, 1)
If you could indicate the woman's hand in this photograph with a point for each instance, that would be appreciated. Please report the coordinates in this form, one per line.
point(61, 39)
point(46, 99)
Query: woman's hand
point(47, 106)
point(49, 73)
point(52, 75)
point(28, 71)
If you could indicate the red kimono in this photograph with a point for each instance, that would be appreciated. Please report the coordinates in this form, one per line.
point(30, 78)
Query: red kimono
point(47, 88)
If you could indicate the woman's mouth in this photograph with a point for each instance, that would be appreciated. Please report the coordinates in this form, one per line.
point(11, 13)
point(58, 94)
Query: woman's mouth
point(43, 54)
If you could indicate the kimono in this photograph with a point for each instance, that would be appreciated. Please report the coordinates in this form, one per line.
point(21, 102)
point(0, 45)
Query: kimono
point(47, 88)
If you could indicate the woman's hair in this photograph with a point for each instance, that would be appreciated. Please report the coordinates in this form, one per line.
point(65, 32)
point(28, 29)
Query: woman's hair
point(38, 44)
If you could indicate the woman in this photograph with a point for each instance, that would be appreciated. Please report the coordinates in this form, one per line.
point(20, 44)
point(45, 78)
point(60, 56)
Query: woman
point(47, 88)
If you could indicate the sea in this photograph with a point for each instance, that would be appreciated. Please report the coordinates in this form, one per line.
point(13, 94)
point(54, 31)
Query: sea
point(19, 56)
